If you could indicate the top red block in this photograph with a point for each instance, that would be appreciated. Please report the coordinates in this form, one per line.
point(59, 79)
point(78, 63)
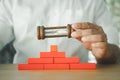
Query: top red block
point(53, 48)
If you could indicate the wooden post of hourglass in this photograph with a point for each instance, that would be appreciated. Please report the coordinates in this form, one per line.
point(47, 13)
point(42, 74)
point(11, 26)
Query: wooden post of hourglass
point(42, 35)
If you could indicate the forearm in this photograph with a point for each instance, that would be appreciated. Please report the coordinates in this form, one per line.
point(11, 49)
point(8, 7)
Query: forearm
point(112, 56)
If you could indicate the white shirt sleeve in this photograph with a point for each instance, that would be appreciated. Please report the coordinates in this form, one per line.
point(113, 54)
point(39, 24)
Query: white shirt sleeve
point(104, 19)
point(6, 27)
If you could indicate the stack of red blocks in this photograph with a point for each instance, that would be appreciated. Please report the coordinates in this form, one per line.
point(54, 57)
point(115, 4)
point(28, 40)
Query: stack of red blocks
point(55, 60)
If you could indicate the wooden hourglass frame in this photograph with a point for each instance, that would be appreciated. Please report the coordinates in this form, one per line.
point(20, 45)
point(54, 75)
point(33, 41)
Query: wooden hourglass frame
point(42, 35)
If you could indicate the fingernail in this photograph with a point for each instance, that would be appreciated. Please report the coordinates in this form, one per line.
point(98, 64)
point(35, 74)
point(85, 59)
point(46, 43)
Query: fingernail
point(73, 34)
point(84, 39)
point(73, 25)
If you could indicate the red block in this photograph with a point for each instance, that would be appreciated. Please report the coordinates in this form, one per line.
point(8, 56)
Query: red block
point(66, 60)
point(56, 66)
point(52, 54)
point(30, 66)
point(40, 60)
point(83, 66)
point(53, 48)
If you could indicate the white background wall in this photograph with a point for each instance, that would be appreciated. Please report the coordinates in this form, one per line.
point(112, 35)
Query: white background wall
point(114, 7)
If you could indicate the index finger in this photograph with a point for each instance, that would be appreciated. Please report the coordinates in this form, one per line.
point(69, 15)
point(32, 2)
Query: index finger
point(85, 25)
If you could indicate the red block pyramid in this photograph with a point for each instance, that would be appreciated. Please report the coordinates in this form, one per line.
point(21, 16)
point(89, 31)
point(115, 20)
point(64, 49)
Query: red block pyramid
point(55, 60)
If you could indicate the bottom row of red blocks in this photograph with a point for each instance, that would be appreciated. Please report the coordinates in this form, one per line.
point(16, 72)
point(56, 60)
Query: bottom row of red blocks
point(80, 66)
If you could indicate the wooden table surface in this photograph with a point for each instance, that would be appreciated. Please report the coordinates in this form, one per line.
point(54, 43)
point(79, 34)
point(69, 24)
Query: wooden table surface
point(103, 72)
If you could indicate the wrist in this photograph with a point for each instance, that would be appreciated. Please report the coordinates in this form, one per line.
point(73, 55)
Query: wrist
point(111, 55)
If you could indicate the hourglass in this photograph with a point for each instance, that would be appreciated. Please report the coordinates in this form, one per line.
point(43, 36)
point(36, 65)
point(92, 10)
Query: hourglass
point(49, 32)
